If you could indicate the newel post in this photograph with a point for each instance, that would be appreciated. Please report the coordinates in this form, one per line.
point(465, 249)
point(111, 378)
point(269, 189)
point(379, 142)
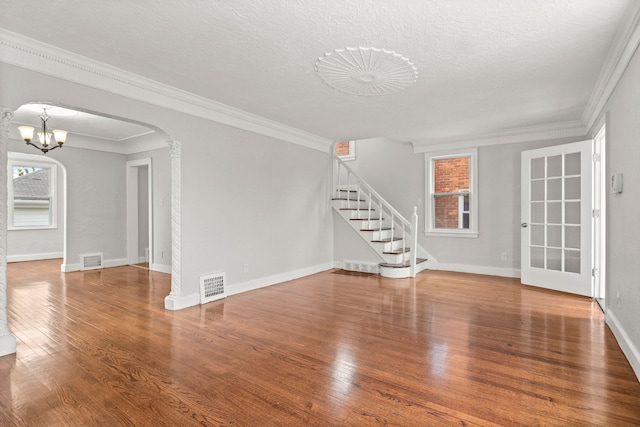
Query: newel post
point(7, 339)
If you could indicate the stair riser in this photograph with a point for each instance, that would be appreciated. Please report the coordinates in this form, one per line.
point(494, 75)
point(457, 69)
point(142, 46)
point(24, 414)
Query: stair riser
point(344, 204)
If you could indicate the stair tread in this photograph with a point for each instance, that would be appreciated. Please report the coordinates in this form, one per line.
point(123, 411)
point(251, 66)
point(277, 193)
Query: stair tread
point(387, 240)
point(356, 209)
point(365, 219)
point(402, 265)
point(376, 229)
point(399, 251)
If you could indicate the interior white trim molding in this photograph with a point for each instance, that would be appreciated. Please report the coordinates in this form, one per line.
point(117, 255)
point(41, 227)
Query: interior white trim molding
point(34, 257)
point(614, 66)
point(509, 136)
point(477, 269)
point(277, 278)
point(626, 344)
point(31, 54)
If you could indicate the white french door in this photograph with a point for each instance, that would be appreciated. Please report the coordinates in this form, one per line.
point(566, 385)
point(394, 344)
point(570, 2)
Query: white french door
point(556, 217)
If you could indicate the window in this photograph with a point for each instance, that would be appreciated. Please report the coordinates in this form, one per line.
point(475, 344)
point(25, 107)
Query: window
point(346, 150)
point(452, 197)
point(31, 190)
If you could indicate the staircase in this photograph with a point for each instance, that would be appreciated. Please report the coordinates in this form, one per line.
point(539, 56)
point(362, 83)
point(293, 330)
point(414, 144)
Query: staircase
point(393, 237)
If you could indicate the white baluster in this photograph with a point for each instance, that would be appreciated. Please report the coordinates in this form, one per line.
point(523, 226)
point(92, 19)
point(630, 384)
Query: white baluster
point(358, 201)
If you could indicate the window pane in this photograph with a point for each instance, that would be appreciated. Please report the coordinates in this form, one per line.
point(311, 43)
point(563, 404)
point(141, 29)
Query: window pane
point(537, 168)
point(572, 237)
point(537, 212)
point(449, 213)
point(572, 164)
point(554, 236)
point(572, 212)
point(554, 166)
point(554, 189)
point(537, 235)
point(572, 188)
point(554, 213)
point(342, 148)
point(572, 261)
point(537, 191)
point(452, 175)
point(31, 196)
point(554, 259)
point(537, 257)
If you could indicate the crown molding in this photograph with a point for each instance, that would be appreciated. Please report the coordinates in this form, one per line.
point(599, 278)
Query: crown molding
point(509, 136)
point(31, 54)
point(620, 54)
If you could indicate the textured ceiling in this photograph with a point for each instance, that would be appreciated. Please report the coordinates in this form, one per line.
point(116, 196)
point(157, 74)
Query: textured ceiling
point(483, 65)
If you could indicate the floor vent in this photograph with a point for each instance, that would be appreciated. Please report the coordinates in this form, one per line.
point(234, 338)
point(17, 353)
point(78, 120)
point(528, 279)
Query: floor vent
point(366, 267)
point(212, 287)
point(91, 261)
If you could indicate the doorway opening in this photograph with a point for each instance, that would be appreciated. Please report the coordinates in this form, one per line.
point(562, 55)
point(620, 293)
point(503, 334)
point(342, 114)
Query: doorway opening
point(140, 213)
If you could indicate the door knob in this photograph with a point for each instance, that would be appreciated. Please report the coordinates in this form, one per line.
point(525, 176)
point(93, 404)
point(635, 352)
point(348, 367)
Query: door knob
point(524, 225)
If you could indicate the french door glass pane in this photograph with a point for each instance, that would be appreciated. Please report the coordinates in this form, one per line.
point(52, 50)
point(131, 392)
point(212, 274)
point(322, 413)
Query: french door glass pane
point(554, 166)
point(555, 206)
point(554, 212)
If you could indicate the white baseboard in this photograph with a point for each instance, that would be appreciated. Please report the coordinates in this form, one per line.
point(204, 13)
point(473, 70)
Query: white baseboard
point(68, 268)
point(8, 344)
point(108, 263)
point(277, 278)
point(34, 257)
point(476, 269)
point(628, 348)
point(178, 302)
point(161, 268)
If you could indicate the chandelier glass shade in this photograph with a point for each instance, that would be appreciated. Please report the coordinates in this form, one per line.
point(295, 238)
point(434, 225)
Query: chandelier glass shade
point(44, 137)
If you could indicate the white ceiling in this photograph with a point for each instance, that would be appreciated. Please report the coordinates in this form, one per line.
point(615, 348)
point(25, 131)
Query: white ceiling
point(484, 66)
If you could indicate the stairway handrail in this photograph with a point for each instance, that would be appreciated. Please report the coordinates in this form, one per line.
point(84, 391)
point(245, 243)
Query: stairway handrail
point(370, 189)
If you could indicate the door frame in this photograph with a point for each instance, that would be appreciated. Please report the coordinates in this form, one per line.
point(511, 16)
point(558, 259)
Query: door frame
point(600, 188)
point(132, 170)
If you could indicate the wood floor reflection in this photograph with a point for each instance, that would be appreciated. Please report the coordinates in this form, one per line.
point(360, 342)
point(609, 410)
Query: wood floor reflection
point(98, 348)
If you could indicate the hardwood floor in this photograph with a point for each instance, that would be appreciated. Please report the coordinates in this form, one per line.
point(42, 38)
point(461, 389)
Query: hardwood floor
point(98, 348)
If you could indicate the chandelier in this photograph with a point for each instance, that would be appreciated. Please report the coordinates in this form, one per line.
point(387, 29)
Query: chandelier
point(44, 137)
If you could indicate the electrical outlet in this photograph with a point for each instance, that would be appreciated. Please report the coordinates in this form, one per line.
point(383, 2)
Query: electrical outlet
point(503, 256)
point(618, 298)
point(245, 268)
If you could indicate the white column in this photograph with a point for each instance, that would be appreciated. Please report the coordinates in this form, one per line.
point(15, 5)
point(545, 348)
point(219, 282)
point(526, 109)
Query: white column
point(171, 301)
point(7, 339)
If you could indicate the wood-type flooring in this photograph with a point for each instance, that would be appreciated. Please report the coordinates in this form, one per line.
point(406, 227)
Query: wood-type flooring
point(97, 348)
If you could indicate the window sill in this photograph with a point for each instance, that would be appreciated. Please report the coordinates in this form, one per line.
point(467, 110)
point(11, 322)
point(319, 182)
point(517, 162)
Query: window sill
point(43, 227)
point(463, 234)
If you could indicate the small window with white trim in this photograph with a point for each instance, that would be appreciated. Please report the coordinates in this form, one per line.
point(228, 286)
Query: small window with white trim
point(452, 196)
point(346, 150)
point(31, 201)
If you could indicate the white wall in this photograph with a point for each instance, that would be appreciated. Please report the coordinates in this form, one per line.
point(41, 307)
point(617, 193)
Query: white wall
point(622, 114)
point(398, 174)
point(250, 199)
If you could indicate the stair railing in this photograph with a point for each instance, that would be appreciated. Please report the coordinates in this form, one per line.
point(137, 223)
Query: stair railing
point(344, 176)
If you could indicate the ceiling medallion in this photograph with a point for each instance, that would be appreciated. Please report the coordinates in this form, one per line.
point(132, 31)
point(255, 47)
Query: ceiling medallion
point(366, 71)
